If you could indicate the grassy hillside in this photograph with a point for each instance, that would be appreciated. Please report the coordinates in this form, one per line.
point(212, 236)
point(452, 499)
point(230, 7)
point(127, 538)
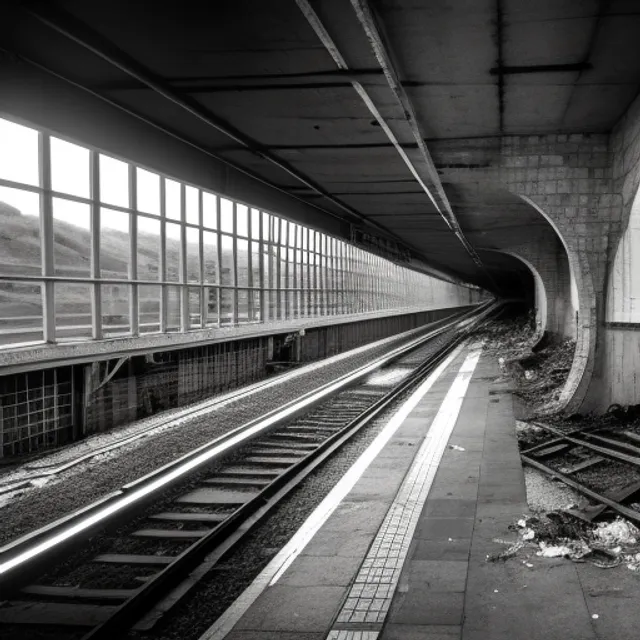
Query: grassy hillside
point(20, 255)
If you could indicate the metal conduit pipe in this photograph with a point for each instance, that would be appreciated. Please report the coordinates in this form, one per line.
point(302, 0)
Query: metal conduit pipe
point(366, 19)
point(381, 51)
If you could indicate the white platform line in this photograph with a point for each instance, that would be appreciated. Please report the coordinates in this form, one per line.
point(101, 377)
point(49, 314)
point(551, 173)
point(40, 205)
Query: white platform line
point(272, 572)
point(369, 598)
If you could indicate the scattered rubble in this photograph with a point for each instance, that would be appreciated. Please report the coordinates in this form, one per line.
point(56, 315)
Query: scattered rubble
point(539, 369)
point(558, 535)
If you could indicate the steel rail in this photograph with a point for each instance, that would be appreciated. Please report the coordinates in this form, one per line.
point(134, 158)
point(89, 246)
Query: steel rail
point(630, 514)
point(273, 494)
point(57, 535)
point(605, 451)
point(46, 471)
point(235, 527)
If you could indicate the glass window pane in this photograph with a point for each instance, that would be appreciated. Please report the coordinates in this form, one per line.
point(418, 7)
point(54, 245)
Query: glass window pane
point(242, 220)
point(243, 263)
point(20, 236)
point(255, 223)
point(72, 310)
point(226, 215)
point(256, 306)
point(149, 308)
point(227, 260)
point(172, 199)
point(114, 243)
point(115, 309)
point(210, 245)
point(71, 238)
point(114, 181)
point(209, 210)
point(173, 308)
point(195, 319)
point(255, 263)
point(211, 297)
point(243, 306)
point(148, 249)
point(18, 153)
point(148, 188)
point(226, 315)
point(70, 168)
point(173, 252)
point(20, 312)
point(265, 225)
point(293, 230)
point(193, 212)
point(193, 254)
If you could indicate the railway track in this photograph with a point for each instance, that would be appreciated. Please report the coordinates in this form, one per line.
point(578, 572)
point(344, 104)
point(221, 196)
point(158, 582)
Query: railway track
point(156, 537)
point(582, 460)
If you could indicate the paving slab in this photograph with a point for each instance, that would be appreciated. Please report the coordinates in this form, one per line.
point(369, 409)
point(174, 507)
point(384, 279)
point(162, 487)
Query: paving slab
point(442, 587)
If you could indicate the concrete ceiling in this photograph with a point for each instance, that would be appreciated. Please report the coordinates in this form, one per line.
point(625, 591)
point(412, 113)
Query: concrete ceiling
point(253, 82)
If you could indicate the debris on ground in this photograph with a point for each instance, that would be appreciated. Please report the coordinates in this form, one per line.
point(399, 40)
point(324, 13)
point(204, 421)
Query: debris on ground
point(539, 368)
point(559, 535)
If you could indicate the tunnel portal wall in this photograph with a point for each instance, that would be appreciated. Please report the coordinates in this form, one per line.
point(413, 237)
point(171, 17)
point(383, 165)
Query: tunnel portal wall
point(45, 409)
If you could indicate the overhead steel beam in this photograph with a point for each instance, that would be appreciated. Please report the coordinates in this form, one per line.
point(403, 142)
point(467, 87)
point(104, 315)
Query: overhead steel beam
point(382, 53)
point(75, 30)
point(439, 200)
point(310, 77)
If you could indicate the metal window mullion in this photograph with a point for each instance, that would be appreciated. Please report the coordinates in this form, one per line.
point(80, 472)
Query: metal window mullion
point(133, 253)
point(314, 275)
point(96, 293)
point(234, 311)
point(46, 239)
point(338, 276)
point(250, 306)
point(311, 275)
point(296, 294)
point(219, 259)
point(349, 274)
point(183, 279)
point(329, 275)
point(278, 268)
point(343, 284)
point(330, 284)
point(285, 243)
point(261, 264)
point(332, 271)
point(323, 274)
point(162, 263)
point(204, 292)
point(307, 275)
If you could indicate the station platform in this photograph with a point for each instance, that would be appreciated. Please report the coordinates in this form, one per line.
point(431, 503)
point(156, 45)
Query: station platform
point(398, 550)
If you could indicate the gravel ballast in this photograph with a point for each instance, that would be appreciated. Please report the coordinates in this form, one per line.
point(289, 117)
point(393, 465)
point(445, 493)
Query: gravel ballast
point(87, 482)
point(217, 591)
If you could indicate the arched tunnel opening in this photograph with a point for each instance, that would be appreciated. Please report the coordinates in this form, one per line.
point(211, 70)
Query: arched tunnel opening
point(529, 265)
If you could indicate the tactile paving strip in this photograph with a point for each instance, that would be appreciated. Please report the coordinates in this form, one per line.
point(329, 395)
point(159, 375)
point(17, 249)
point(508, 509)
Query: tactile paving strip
point(369, 599)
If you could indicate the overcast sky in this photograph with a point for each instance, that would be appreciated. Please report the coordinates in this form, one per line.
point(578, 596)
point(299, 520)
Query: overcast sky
point(70, 174)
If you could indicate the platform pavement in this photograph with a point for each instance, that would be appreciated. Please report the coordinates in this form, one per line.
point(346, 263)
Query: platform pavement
point(446, 589)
